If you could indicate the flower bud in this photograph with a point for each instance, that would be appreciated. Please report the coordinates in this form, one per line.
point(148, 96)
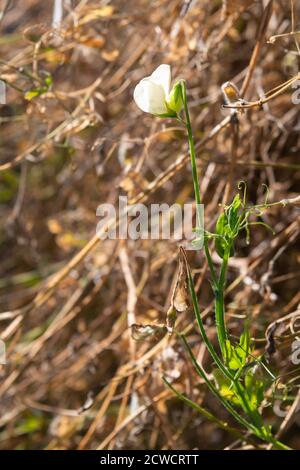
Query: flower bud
point(174, 101)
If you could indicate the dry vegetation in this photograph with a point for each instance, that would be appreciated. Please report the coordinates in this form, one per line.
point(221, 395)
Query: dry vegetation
point(72, 138)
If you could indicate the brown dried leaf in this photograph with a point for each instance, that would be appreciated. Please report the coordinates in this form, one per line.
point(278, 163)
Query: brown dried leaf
point(97, 13)
point(95, 42)
point(230, 7)
point(110, 56)
point(63, 427)
point(145, 332)
point(133, 183)
point(35, 32)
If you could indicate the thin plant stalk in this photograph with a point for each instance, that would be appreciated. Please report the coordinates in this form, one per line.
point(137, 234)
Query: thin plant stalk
point(220, 317)
point(195, 176)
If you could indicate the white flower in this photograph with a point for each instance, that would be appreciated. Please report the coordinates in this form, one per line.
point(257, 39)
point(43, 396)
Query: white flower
point(152, 94)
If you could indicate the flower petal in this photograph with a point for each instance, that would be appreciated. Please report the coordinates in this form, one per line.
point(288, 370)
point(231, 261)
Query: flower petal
point(150, 96)
point(162, 76)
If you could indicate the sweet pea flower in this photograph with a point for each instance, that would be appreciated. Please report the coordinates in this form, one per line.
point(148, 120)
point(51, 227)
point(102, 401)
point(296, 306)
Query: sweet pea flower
point(154, 94)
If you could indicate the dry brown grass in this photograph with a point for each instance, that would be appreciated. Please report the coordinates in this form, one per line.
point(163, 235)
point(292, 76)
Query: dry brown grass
point(74, 377)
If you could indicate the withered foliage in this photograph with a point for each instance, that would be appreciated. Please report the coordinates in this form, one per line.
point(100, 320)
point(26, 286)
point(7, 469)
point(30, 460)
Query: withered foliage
point(71, 139)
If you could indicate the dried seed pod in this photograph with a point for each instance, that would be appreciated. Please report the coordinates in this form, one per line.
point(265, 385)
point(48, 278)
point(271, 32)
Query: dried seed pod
point(144, 332)
point(230, 92)
point(34, 33)
point(179, 301)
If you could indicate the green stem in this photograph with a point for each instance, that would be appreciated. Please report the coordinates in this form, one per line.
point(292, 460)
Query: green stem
point(206, 413)
point(217, 285)
point(220, 322)
point(278, 445)
point(196, 177)
point(191, 144)
point(220, 308)
point(239, 389)
point(213, 389)
point(210, 263)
